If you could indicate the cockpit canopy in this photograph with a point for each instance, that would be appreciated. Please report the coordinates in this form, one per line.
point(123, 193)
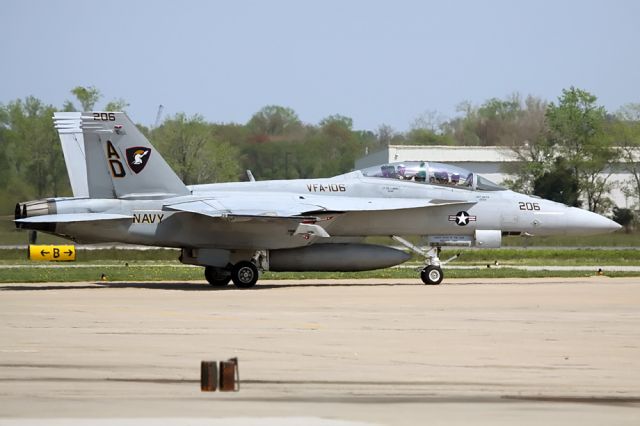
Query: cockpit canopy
point(432, 173)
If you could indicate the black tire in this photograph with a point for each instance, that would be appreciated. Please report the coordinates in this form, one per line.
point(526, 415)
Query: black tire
point(244, 274)
point(217, 277)
point(431, 275)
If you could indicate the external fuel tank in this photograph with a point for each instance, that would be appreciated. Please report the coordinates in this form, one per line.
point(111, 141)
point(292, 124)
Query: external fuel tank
point(336, 257)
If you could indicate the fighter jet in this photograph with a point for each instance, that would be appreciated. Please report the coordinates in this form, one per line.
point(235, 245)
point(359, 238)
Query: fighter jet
point(125, 192)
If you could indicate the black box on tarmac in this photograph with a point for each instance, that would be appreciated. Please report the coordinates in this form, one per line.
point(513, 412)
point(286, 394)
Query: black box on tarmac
point(208, 376)
point(227, 381)
point(229, 376)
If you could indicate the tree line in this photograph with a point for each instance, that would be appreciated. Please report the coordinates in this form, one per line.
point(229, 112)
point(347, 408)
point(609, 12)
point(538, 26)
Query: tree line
point(568, 148)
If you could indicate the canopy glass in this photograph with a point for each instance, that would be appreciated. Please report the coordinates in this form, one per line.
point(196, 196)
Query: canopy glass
point(433, 173)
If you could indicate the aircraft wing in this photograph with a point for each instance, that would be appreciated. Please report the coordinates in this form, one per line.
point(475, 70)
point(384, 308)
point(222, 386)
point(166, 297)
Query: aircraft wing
point(299, 207)
point(255, 208)
point(352, 204)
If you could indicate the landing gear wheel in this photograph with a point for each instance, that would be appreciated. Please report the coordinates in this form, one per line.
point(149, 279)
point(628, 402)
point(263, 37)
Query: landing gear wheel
point(217, 277)
point(244, 274)
point(431, 275)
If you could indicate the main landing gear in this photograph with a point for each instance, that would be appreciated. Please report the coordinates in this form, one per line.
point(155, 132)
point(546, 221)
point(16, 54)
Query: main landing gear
point(432, 273)
point(217, 277)
point(244, 274)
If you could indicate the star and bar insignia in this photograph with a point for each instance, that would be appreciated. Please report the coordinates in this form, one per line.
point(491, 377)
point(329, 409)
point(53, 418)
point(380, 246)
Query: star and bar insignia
point(462, 218)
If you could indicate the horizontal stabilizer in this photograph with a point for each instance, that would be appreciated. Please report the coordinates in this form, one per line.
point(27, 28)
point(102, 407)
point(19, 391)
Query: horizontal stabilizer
point(250, 205)
point(72, 217)
point(207, 208)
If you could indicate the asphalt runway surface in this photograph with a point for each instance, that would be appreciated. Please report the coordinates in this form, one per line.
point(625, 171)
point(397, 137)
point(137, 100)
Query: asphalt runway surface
point(323, 352)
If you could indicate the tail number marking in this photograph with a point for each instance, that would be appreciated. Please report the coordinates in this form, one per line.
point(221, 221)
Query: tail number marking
point(117, 169)
point(528, 206)
point(148, 218)
point(104, 116)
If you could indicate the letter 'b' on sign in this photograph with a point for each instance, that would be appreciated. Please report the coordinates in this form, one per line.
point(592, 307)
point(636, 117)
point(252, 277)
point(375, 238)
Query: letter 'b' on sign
point(66, 253)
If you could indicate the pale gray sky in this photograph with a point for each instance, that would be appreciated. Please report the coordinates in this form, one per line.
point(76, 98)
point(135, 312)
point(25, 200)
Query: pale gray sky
point(375, 61)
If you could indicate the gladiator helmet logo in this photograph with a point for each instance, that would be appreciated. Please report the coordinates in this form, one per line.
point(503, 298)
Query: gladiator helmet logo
point(137, 158)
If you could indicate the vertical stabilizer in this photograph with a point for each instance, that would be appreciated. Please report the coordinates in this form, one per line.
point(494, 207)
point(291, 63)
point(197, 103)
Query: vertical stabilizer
point(72, 141)
point(122, 163)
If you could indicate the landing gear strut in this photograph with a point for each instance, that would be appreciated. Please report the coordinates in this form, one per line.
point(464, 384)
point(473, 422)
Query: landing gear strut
point(432, 273)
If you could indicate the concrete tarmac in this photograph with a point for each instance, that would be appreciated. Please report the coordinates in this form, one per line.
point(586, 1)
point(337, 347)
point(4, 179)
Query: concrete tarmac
point(324, 352)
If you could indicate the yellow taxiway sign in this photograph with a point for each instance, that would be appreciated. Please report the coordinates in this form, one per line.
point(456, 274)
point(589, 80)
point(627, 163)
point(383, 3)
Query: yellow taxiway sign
point(60, 253)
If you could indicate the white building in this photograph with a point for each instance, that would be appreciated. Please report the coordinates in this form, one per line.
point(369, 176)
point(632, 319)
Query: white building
point(491, 162)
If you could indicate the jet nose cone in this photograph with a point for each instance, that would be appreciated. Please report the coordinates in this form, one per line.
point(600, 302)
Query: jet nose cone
point(584, 222)
point(613, 226)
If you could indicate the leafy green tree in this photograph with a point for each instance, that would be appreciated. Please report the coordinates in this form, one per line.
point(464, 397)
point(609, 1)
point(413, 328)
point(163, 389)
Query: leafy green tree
point(189, 147)
point(624, 217)
point(535, 159)
point(558, 184)
point(339, 143)
point(429, 120)
point(463, 128)
point(35, 167)
point(422, 136)
point(387, 135)
point(577, 133)
point(517, 124)
point(427, 129)
point(7, 187)
point(5, 168)
point(506, 122)
point(116, 105)
point(337, 120)
point(87, 96)
point(496, 121)
point(272, 121)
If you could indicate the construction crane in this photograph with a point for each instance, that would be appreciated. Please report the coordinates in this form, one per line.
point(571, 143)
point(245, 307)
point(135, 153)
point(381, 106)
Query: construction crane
point(158, 116)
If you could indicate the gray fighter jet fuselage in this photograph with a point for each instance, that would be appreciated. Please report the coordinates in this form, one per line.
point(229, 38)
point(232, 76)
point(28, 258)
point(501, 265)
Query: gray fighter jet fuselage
point(129, 194)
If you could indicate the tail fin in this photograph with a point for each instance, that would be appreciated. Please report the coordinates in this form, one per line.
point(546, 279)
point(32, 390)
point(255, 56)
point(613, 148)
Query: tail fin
point(122, 163)
point(72, 141)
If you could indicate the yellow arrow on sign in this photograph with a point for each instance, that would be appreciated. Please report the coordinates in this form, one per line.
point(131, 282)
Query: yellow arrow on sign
point(60, 253)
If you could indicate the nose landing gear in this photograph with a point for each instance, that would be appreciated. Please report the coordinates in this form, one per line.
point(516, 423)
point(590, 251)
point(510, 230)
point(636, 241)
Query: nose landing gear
point(432, 273)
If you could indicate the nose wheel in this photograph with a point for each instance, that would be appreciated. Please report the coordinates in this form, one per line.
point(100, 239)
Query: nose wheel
point(431, 275)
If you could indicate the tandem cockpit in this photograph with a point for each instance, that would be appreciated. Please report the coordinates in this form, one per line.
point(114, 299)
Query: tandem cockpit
point(432, 173)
